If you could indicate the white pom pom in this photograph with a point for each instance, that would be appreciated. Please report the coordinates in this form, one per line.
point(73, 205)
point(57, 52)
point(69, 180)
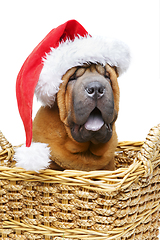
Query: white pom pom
point(33, 158)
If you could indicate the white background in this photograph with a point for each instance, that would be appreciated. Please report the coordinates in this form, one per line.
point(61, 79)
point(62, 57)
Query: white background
point(24, 23)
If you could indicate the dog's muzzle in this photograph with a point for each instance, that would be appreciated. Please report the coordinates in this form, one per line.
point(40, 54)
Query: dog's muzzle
point(94, 114)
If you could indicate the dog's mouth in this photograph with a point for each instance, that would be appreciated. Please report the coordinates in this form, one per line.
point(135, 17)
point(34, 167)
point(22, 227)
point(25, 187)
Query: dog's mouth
point(94, 121)
point(94, 129)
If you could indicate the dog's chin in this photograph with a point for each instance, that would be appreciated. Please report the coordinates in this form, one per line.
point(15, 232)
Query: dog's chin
point(81, 134)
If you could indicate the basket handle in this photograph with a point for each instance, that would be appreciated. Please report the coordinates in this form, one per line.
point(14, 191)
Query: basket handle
point(150, 150)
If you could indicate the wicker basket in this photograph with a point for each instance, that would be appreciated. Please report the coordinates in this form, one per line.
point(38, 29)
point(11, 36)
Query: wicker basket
point(120, 204)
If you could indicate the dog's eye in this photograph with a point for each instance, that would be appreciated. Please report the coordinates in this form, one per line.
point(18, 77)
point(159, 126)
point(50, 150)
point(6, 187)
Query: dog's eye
point(78, 73)
point(73, 77)
point(108, 79)
point(107, 75)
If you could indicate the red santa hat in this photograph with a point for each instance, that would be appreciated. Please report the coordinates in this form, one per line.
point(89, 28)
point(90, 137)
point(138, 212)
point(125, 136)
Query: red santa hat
point(66, 46)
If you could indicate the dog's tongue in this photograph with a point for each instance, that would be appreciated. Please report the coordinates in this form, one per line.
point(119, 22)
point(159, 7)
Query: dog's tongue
point(94, 122)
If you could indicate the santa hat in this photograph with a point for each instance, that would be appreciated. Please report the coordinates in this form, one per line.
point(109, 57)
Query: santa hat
point(66, 46)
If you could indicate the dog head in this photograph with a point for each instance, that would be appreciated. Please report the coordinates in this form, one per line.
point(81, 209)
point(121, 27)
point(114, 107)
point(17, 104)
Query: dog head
point(88, 102)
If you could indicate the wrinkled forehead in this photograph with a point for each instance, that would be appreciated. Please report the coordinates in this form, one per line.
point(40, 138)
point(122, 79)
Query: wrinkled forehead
point(78, 71)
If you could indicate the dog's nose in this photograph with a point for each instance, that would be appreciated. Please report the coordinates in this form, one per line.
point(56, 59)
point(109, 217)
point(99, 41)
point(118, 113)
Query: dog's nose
point(95, 90)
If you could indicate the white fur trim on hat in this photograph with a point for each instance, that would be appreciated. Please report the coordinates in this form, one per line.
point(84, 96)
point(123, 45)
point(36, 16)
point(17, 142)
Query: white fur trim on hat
point(33, 158)
point(75, 53)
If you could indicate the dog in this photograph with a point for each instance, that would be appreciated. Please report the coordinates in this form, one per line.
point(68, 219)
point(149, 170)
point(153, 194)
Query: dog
point(80, 127)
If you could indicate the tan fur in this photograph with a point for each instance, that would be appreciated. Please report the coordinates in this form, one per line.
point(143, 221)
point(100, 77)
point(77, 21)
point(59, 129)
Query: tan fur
point(50, 126)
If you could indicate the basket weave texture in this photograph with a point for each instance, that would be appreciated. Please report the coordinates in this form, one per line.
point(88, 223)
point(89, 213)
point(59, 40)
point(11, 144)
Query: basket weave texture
point(123, 204)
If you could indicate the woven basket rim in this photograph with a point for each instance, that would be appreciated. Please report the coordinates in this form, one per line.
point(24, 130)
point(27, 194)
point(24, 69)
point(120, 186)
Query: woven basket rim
point(147, 158)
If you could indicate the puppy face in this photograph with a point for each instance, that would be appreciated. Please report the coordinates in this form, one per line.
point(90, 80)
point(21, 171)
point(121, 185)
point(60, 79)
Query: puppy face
point(88, 102)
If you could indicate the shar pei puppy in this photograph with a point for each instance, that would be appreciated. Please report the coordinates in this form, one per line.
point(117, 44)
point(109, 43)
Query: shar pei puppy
point(80, 127)
point(74, 75)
